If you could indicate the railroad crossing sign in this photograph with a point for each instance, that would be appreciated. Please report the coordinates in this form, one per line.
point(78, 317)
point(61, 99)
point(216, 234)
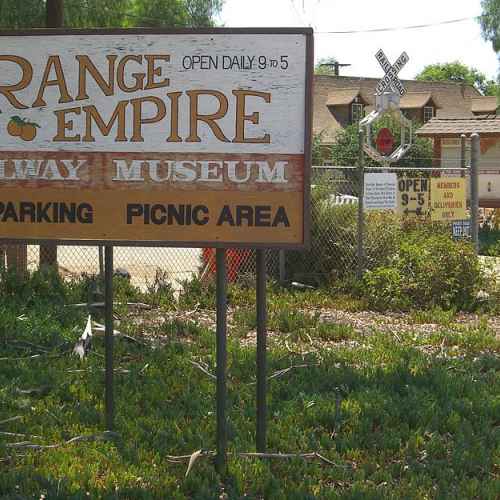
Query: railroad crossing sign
point(387, 97)
point(391, 73)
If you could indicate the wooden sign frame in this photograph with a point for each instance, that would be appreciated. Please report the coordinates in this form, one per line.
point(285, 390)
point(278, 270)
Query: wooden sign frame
point(204, 241)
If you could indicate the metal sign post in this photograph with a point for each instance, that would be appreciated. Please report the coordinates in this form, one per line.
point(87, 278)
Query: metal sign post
point(109, 333)
point(221, 355)
point(261, 351)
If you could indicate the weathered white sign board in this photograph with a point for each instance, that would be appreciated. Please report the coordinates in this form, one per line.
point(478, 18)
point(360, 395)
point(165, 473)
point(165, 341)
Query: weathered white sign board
point(380, 191)
point(180, 138)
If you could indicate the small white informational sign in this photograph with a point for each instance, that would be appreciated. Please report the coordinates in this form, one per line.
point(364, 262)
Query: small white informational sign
point(380, 191)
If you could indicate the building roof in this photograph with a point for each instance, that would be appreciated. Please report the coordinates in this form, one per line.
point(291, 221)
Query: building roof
point(452, 98)
point(342, 97)
point(488, 125)
point(414, 100)
point(484, 104)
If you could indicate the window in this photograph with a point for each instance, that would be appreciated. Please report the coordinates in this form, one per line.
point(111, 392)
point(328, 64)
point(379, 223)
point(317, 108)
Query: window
point(356, 112)
point(428, 113)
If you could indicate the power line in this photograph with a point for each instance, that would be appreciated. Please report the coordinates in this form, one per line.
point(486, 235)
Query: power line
point(396, 28)
point(344, 32)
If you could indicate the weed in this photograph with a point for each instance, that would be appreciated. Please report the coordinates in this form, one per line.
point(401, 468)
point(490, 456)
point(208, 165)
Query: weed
point(396, 420)
point(335, 332)
point(435, 315)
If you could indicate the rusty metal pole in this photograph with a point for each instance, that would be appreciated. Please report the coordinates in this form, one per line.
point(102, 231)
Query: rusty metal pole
point(221, 355)
point(261, 429)
point(109, 339)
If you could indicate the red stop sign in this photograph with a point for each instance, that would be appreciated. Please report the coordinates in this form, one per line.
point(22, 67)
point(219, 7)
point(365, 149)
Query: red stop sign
point(385, 141)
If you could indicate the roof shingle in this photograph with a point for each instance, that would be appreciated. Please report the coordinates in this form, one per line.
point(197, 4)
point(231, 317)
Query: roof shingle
point(414, 100)
point(483, 125)
point(484, 104)
point(342, 97)
point(453, 99)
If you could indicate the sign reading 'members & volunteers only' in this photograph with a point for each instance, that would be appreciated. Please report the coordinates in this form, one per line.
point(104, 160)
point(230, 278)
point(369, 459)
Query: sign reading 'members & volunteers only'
point(183, 138)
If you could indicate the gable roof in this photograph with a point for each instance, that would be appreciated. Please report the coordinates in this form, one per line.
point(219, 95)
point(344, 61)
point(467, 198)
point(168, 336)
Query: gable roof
point(484, 104)
point(414, 100)
point(454, 99)
point(488, 125)
point(342, 97)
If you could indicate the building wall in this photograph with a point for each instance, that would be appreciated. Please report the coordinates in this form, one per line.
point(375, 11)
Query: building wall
point(342, 114)
point(489, 167)
point(415, 115)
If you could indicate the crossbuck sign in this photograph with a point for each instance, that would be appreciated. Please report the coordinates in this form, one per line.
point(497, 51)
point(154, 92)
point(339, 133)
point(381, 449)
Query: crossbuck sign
point(391, 73)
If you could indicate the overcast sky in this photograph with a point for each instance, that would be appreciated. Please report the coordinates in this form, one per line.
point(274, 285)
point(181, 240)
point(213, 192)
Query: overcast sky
point(461, 41)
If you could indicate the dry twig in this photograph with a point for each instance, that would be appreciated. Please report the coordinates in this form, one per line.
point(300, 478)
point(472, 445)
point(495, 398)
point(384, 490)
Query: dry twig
point(282, 372)
point(104, 436)
point(138, 305)
point(11, 419)
point(203, 369)
point(281, 456)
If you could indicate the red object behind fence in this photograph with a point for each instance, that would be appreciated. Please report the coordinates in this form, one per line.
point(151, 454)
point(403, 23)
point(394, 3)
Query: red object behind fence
point(235, 258)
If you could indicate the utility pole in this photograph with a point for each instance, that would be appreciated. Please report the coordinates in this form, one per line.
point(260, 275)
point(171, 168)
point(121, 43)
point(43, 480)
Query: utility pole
point(336, 67)
point(55, 13)
point(54, 19)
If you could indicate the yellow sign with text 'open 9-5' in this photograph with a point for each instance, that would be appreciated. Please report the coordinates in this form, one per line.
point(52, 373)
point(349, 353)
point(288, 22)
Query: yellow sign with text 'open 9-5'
point(186, 138)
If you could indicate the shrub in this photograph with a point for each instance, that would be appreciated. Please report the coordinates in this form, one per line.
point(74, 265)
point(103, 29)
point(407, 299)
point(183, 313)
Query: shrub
point(428, 270)
point(489, 242)
point(332, 256)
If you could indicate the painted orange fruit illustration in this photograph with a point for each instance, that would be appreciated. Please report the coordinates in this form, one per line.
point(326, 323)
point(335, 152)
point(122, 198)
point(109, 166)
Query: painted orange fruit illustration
point(14, 126)
point(20, 127)
point(28, 132)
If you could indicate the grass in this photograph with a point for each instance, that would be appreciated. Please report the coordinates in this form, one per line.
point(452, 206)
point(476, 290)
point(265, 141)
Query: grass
point(406, 416)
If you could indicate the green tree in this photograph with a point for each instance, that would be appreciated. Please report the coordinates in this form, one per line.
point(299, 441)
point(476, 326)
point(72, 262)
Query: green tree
point(325, 66)
point(490, 22)
point(16, 14)
point(188, 13)
point(458, 72)
point(345, 150)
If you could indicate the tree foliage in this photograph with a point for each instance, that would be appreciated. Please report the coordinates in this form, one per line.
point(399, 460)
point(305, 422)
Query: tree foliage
point(458, 72)
point(15, 14)
point(325, 66)
point(490, 22)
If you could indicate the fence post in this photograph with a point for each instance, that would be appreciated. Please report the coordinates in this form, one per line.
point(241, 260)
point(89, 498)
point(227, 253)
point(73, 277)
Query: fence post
point(282, 267)
point(361, 213)
point(17, 259)
point(463, 159)
point(474, 189)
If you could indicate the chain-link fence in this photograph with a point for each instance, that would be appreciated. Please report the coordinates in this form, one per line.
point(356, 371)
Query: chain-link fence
point(334, 253)
point(346, 239)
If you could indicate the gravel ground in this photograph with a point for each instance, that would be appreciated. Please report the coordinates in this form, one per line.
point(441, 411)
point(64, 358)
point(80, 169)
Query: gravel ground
point(142, 263)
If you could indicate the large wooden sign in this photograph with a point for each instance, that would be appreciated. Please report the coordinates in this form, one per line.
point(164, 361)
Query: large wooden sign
point(187, 138)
